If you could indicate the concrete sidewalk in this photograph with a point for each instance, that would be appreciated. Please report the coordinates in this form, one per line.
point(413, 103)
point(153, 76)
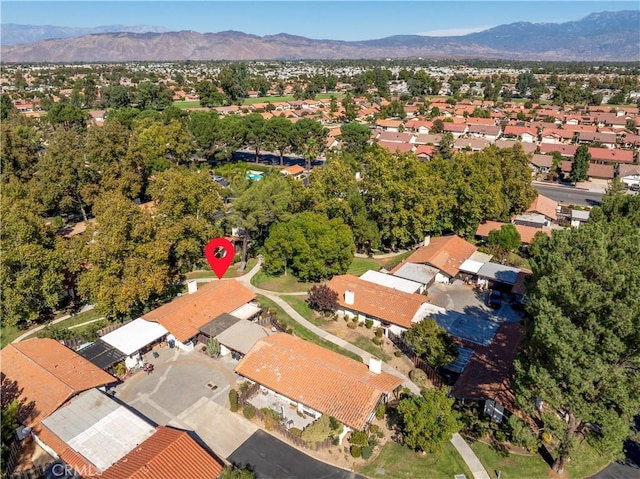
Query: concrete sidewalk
point(469, 457)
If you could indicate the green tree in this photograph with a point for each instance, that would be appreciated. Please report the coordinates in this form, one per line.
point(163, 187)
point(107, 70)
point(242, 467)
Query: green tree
point(162, 145)
point(127, 260)
point(506, 239)
point(428, 420)
point(32, 266)
point(278, 131)
point(311, 246)
point(309, 139)
point(580, 165)
point(431, 342)
point(6, 107)
point(355, 137)
point(233, 79)
point(350, 108)
point(256, 132)
point(265, 202)
point(66, 115)
point(18, 149)
point(209, 94)
point(203, 125)
point(580, 354)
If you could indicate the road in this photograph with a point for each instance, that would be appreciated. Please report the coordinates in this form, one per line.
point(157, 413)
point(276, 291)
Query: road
point(569, 195)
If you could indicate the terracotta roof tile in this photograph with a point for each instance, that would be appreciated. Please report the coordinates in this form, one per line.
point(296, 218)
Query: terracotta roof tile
point(184, 315)
point(48, 374)
point(527, 233)
point(387, 304)
point(446, 253)
point(168, 454)
point(545, 206)
point(317, 377)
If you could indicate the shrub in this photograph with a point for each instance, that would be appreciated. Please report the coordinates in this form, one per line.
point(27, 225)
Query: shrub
point(379, 332)
point(233, 400)
point(296, 431)
point(374, 427)
point(500, 436)
point(368, 323)
point(377, 341)
point(270, 423)
point(249, 411)
point(323, 298)
point(318, 430)
point(397, 353)
point(356, 451)
point(381, 410)
point(244, 387)
point(367, 452)
point(334, 424)
point(359, 438)
point(121, 369)
point(354, 319)
point(419, 377)
point(521, 434)
point(352, 325)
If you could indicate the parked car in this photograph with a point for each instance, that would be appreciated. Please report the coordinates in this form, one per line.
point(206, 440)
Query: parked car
point(494, 299)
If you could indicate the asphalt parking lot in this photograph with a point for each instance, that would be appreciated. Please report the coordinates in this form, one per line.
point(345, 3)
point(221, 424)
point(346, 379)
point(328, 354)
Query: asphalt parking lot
point(465, 299)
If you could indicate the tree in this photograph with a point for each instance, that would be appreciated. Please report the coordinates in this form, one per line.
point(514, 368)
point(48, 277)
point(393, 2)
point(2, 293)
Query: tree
point(161, 145)
point(233, 80)
point(309, 139)
point(259, 206)
point(256, 133)
point(209, 94)
point(310, 245)
point(580, 165)
point(580, 355)
point(355, 137)
point(323, 298)
point(32, 267)
point(350, 108)
point(428, 420)
point(506, 239)
point(278, 131)
point(67, 115)
point(213, 347)
point(6, 107)
point(431, 342)
point(203, 126)
point(127, 262)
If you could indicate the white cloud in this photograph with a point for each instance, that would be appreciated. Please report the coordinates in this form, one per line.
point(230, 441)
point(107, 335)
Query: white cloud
point(453, 32)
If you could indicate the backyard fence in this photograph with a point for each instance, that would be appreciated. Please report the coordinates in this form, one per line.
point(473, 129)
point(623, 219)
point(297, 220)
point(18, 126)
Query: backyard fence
point(36, 472)
point(243, 400)
point(417, 361)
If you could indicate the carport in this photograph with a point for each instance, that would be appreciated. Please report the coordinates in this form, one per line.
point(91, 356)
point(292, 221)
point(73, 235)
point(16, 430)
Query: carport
point(134, 338)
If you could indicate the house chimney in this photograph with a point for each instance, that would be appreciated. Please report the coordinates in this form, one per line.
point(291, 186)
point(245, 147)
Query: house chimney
point(375, 365)
point(192, 285)
point(427, 240)
point(349, 296)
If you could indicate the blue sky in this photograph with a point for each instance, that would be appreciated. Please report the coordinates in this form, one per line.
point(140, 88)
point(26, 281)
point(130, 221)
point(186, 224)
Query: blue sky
point(344, 20)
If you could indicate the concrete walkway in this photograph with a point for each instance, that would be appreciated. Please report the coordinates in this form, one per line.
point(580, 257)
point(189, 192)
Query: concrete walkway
point(469, 457)
point(84, 309)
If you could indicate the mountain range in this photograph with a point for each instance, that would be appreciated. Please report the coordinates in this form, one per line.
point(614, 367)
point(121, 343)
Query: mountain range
point(604, 36)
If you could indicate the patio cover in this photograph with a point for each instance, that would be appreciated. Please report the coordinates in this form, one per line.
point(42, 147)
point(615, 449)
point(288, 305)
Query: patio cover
point(102, 354)
point(242, 336)
point(218, 324)
point(135, 335)
point(246, 311)
point(499, 272)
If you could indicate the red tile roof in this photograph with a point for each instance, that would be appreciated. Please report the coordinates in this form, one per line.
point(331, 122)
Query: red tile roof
point(600, 171)
point(545, 206)
point(527, 233)
point(446, 253)
point(168, 454)
point(317, 377)
point(48, 374)
point(184, 315)
point(394, 147)
point(611, 155)
point(488, 374)
point(387, 304)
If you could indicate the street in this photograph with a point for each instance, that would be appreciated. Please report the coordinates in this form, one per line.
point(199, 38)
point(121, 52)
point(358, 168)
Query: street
point(569, 195)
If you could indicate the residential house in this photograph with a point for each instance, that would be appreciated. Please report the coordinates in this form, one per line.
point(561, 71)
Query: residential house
point(395, 147)
point(526, 147)
point(394, 137)
point(541, 163)
point(606, 155)
point(317, 381)
point(607, 140)
point(393, 282)
point(425, 152)
point(471, 144)
point(544, 206)
point(568, 151)
point(388, 308)
point(427, 139)
point(456, 129)
point(297, 172)
point(630, 175)
point(389, 125)
point(602, 172)
point(183, 316)
point(527, 233)
point(488, 132)
point(445, 253)
point(525, 134)
point(556, 136)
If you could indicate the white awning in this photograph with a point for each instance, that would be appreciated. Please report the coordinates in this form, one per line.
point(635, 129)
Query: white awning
point(471, 266)
point(135, 335)
point(246, 311)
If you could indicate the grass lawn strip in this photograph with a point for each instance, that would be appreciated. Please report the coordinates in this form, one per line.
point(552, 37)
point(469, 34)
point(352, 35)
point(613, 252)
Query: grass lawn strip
point(281, 284)
point(301, 331)
point(511, 466)
point(399, 462)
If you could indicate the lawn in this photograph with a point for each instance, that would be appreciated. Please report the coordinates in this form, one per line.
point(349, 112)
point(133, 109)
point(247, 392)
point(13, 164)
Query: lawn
point(512, 466)
point(187, 104)
point(585, 462)
point(302, 332)
point(365, 343)
point(282, 284)
point(301, 307)
point(396, 461)
point(362, 265)
point(9, 333)
point(275, 99)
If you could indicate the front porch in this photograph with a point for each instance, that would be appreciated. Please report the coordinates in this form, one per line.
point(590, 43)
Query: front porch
point(287, 409)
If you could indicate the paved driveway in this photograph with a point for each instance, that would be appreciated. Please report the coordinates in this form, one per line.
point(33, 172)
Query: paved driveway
point(271, 458)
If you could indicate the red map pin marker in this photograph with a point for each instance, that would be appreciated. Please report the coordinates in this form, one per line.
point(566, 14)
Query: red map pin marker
point(219, 262)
